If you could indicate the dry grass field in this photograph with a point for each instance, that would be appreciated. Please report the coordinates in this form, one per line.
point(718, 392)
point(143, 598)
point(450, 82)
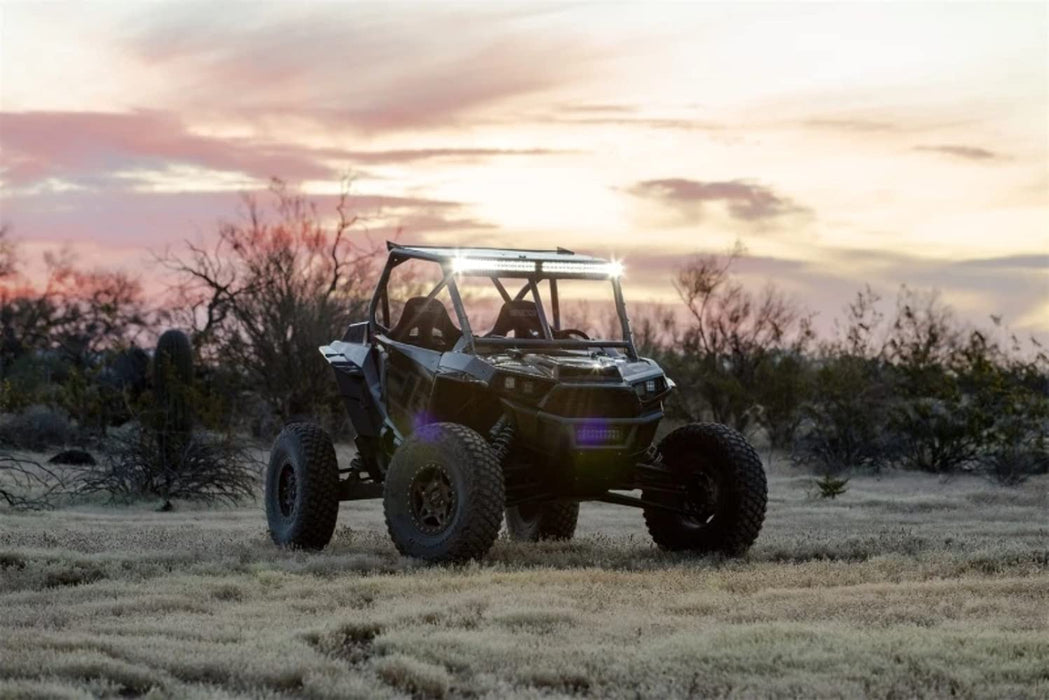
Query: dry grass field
point(905, 586)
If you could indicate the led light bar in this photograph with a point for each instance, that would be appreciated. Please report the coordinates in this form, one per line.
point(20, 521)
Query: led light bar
point(479, 264)
point(595, 435)
point(612, 269)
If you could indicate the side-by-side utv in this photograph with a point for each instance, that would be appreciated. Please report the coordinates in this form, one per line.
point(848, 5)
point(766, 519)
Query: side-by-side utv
point(468, 405)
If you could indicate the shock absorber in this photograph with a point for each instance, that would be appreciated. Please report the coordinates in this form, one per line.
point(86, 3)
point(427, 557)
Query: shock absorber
point(501, 437)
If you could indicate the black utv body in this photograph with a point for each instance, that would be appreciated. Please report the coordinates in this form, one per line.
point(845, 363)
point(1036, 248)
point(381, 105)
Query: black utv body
point(455, 426)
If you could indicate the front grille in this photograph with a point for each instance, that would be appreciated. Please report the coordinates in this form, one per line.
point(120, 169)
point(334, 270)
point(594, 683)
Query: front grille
point(592, 402)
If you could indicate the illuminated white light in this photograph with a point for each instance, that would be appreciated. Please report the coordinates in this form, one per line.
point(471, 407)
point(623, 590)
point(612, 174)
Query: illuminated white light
point(478, 264)
point(612, 269)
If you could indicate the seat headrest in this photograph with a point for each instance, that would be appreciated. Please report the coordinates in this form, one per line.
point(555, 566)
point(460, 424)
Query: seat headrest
point(425, 322)
point(520, 316)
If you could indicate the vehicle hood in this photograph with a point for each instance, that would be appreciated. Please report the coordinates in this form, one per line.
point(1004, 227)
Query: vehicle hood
point(588, 367)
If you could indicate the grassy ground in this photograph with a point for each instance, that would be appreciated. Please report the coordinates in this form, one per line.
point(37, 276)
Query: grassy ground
point(905, 586)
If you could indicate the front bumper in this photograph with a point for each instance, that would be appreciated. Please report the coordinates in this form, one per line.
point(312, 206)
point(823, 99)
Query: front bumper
point(583, 455)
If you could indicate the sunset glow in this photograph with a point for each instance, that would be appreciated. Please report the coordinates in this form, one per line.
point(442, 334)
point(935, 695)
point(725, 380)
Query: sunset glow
point(843, 144)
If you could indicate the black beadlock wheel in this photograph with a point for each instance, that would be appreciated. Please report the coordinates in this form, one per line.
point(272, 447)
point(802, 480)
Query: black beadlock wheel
point(725, 490)
point(532, 522)
point(443, 495)
point(302, 487)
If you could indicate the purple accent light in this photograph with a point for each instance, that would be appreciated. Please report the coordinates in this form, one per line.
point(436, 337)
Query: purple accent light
point(598, 432)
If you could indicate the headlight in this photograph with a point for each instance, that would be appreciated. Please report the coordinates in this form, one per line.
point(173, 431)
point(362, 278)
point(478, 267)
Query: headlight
point(522, 386)
point(650, 388)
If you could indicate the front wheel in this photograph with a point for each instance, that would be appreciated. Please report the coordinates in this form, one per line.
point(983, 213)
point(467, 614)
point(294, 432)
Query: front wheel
point(723, 490)
point(302, 487)
point(443, 495)
point(531, 522)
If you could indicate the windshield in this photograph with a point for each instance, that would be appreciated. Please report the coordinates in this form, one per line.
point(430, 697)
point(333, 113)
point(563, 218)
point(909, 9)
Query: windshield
point(518, 308)
point(442, 305)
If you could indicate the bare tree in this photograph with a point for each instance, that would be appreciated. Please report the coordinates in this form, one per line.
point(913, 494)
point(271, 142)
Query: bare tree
point(732, 337)
point(924, 332)
point(727, 319)
point(272, 288)
point(859, 337)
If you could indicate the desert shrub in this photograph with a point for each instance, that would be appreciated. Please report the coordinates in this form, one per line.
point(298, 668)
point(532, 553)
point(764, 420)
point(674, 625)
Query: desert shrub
point(783, 385)
point(1012, 392)
point(921, 394)
point(1010, 464)
point(831, 487)
point(208, 468)
point(843, 423)
point(937, 434)
point(935, 425)
point(36, 428)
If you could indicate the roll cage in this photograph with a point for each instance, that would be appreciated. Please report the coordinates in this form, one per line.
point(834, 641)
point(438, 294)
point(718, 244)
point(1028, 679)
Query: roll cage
point(498, 264)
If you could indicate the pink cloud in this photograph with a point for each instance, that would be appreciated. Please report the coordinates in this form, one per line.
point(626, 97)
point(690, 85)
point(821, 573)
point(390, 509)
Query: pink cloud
point(89, 145)
point(125, 219)
point(356, 66)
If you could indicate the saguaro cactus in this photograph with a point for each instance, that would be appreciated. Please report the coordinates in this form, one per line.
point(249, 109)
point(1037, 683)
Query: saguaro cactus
point(172, 382)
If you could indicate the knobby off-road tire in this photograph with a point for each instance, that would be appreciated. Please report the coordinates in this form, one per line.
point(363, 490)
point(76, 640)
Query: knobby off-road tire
point(555, 520)
point(443, 495)
point(723, 471)
point(302, 487)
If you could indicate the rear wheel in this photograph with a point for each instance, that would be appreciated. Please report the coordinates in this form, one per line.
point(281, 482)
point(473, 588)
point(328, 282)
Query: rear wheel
point(554, 520)
point(302, 487)
point(723, 488)
point(443, 495)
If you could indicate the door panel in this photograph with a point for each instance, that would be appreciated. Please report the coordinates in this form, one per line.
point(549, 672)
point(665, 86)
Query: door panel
point(409, 381)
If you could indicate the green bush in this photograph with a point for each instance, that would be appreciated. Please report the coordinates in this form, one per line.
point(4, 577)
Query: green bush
point(783, 385)
point(940, 435)
point(831, 487)
point(843, 423)
point(1012, 393)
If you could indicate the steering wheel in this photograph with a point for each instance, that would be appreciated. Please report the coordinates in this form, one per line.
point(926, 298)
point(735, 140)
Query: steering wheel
point(568, 333)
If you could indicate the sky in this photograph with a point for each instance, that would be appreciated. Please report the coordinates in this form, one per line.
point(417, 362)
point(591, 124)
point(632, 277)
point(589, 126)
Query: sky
point(842, 144)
